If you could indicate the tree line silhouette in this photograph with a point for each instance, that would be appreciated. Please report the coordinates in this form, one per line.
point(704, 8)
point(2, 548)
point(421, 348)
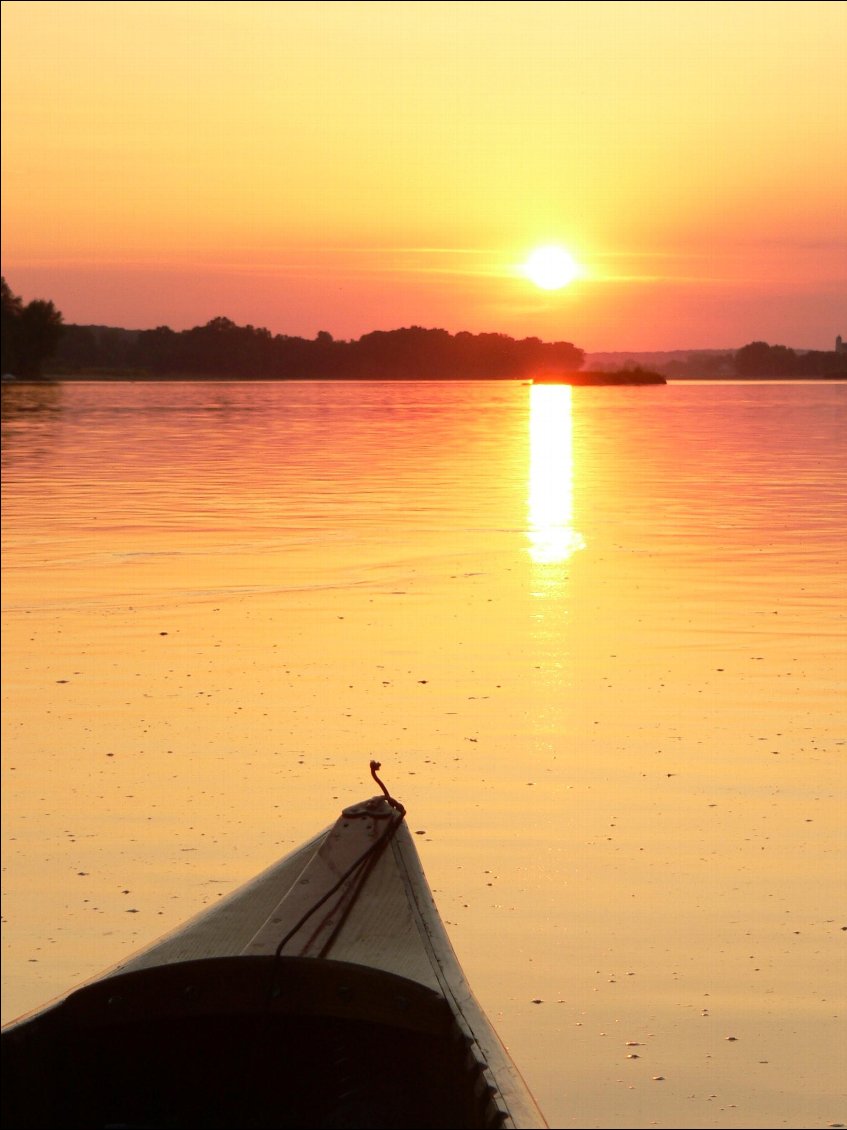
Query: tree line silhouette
point(30, 333)
point(223, 349)
point(758, 359)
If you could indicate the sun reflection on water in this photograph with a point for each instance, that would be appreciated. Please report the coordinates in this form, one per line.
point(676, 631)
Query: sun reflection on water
point(552, 535)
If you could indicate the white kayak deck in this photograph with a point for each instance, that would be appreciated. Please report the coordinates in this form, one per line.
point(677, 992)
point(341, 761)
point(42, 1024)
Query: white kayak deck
point(390, 917)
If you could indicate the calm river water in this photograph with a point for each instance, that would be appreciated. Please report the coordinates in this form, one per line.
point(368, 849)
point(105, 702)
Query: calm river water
point(595, 637)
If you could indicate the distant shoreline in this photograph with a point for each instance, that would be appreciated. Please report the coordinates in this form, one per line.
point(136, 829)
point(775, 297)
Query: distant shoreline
point(579, 380)
point(588, 379)
point(35, 339)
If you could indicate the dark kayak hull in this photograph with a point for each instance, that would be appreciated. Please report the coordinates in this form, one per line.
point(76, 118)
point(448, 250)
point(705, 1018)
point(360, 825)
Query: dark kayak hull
point(323, 993)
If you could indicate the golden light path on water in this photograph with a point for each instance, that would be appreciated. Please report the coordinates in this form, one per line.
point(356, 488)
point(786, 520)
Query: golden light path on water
point(552, 535)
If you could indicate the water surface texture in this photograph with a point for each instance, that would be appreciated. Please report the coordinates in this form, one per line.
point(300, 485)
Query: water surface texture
point(596, 637)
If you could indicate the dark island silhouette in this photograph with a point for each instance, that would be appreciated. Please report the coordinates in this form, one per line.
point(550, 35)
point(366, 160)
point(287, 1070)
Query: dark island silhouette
point(634, 375)
point(37, 342)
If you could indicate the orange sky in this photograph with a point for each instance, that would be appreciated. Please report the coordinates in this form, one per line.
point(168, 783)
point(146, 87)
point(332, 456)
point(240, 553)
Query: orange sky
point(355, 166)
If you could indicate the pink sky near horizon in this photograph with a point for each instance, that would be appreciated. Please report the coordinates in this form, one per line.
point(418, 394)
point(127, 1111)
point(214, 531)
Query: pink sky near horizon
point(357, 166)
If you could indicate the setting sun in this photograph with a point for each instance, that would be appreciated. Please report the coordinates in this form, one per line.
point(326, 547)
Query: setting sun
point(551, 267)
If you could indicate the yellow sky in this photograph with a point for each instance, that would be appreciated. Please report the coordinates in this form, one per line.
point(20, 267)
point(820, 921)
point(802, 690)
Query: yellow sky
point(352, 166)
